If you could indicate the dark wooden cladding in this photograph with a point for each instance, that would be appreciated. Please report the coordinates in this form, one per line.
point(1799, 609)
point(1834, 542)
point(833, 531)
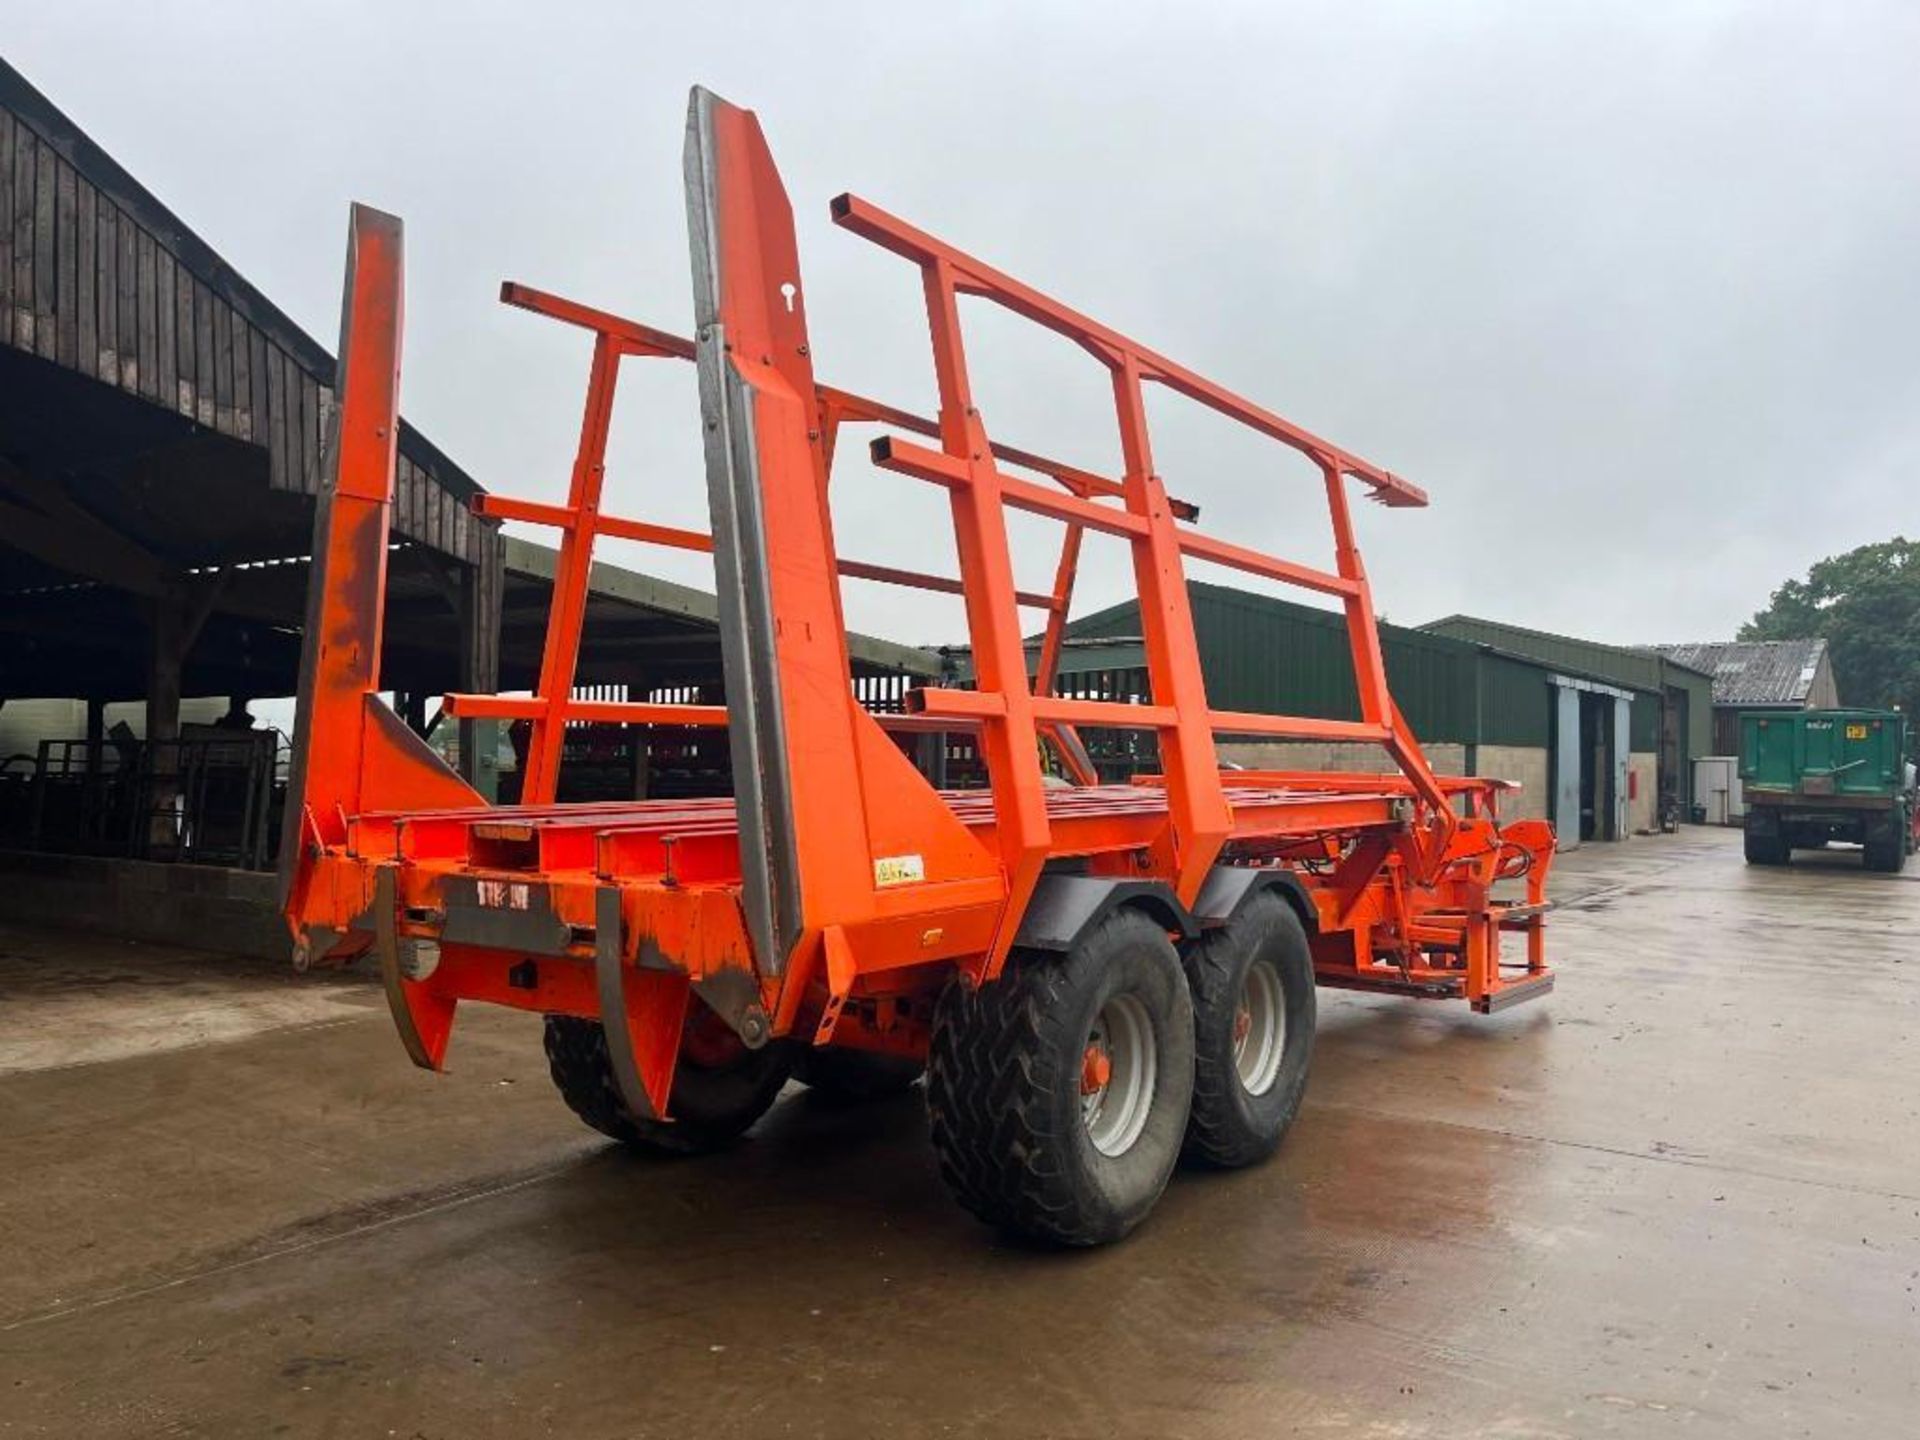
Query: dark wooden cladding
point(242, 381)
point(203, 409)
point(106, 271)
point(225, 416)
point(166, 319)
point(65, 280)
point(186, 397)
point(19, 224)
point(6, 228)
point(44, 254)
point(86, 237)
point(127, 280)
point(277, 363)
point(306, 426)
point(98, 277)
point(258, 366)
point(147, 315)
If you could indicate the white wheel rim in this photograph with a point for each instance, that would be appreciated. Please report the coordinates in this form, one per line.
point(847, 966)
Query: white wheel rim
point(1259, 1029)
point(1117, 1075)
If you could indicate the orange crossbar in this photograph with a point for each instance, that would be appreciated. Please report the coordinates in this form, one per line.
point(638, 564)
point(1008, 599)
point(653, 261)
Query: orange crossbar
point(533, 512)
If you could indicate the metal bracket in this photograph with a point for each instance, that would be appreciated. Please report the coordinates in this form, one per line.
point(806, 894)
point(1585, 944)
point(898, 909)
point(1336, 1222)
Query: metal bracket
point(425, 1021)
point(611, 981)
point(840, 977)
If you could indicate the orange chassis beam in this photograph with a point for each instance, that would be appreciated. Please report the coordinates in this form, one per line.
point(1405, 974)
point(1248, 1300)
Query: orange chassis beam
point(834, 894)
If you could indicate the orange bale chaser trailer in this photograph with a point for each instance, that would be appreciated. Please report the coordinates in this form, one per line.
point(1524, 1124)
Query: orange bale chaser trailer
point(1095, 978)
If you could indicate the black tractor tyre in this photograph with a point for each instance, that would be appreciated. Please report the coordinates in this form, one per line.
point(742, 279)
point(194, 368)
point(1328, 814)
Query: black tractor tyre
point(856, 1076)
point(1887, 856)
point(711, 1106)
point(1254, 969)
point(1011, 1104)
point(1765, 849)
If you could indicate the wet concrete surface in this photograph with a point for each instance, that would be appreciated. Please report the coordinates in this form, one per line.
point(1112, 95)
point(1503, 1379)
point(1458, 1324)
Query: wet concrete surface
point(1681, 1195)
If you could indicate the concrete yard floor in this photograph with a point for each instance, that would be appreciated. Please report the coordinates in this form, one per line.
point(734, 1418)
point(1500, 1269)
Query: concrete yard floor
point(1679, 1196)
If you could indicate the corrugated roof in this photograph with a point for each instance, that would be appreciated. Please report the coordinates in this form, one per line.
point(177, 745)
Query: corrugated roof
point(1753, 672)
point(1621, 664)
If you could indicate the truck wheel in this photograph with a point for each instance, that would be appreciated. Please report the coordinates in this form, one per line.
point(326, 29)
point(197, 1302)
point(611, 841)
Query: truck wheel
point(1766, 849)
point(719, 1089)
point(853, 1076)
point(1885, 855)
point(1253, 1023)
point(1057, 1095)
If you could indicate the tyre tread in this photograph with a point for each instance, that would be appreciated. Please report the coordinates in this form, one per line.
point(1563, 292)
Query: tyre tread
point(994, 1069)
point(1216, 1133)
point(577, 1061)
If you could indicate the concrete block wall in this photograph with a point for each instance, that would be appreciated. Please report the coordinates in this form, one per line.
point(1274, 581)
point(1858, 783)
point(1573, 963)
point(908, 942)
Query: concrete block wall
point(200, 907)
point(1342, 756)
point(1526, 765)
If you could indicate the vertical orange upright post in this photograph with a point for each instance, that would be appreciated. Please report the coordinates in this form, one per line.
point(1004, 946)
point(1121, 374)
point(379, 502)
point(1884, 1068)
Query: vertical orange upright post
point(1377, 705)
point(1054, 637)
point(1066, 740)
point(346, 594)
point(1008, 741)
point(1196, 804)
point(572, 573)
point(1363, 636)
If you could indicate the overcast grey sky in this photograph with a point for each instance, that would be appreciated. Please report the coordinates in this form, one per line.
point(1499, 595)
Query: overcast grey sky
point(1631, 290)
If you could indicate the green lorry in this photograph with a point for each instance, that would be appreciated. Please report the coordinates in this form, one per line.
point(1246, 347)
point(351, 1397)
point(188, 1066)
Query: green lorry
point(1811, 777)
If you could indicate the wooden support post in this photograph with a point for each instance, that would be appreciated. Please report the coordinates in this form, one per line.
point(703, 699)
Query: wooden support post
point(168, 642)
point(96, 736)
point(932, 757)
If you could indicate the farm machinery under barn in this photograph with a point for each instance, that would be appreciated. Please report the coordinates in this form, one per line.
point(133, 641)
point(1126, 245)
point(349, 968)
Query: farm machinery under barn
point(1095, 978)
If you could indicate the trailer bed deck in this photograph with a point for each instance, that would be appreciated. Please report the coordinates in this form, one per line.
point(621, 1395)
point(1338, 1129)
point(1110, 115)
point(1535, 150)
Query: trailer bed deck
point(610, 838)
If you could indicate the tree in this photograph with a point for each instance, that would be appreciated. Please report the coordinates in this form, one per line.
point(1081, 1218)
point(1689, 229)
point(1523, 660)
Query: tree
point(1866, 603)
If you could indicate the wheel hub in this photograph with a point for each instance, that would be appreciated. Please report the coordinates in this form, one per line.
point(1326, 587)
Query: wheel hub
point(1118, 1069)
point(1096, 1070)
point(1259, 1029)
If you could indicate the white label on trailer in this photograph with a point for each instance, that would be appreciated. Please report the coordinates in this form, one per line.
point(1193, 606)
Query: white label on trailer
point(899, 870)
point(503, 894)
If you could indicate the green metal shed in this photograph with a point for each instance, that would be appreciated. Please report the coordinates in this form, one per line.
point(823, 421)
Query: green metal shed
point(1276, 656)
point(1643, 670)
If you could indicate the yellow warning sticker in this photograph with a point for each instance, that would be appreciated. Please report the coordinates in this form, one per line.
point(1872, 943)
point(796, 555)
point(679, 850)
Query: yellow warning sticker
point(899, 870)
point(1856, 732)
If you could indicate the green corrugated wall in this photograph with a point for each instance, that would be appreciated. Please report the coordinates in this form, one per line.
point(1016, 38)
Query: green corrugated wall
point(1635, 669)
point(1276, 657)
point(1516, 703)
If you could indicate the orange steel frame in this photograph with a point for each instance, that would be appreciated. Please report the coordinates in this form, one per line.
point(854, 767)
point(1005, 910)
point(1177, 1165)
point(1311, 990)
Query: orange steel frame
point(837, 891)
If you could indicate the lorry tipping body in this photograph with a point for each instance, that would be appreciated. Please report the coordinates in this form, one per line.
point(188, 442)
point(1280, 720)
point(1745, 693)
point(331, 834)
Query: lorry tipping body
point(838, 915)
point(1812, 777)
